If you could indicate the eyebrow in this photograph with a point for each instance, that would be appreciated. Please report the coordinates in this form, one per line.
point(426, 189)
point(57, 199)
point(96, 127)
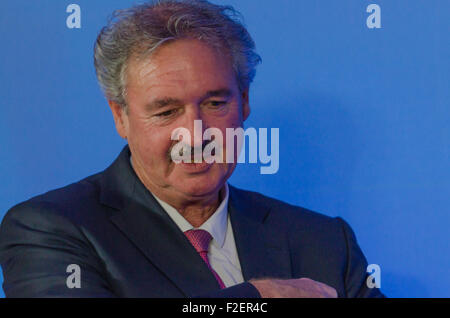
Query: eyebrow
point(224, 92)
point(169, 101)
point(163, 102)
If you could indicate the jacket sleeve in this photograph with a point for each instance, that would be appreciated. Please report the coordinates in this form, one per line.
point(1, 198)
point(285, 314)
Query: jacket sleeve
point(37, 245)
point(356, 272)
point(242, 290)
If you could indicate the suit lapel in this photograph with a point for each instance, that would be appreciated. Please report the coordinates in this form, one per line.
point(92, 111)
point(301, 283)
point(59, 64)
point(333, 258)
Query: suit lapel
point(140, 217)
point(262, 247)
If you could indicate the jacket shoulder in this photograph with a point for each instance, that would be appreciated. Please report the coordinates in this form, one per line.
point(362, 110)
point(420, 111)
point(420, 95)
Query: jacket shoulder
point(73, 202)
point(285, 211)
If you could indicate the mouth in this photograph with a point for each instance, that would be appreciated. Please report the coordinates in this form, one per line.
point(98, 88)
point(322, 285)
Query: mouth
point(195, 167)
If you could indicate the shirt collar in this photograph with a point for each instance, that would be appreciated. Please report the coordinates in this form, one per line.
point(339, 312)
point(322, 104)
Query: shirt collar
point(216, 225)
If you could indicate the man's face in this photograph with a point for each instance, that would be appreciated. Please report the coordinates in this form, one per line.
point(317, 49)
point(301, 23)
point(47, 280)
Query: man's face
point(183, 81)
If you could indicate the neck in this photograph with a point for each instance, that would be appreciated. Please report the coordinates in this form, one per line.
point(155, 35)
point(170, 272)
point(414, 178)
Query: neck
point(196, 212)
point(199, 214)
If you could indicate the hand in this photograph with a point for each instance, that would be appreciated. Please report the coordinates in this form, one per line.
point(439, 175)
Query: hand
point(293, 288)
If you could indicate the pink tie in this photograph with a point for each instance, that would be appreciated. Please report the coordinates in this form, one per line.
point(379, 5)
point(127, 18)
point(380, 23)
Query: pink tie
point(200, 239)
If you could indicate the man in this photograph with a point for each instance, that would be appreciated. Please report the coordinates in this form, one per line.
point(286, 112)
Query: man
point(150, 227)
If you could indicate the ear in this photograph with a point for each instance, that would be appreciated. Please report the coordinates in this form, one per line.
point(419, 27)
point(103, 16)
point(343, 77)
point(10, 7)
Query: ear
point(120, 118)
point(245, 105)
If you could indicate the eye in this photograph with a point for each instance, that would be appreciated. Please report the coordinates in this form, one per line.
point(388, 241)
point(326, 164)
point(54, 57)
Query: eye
point(167, 113)
point(217, 103)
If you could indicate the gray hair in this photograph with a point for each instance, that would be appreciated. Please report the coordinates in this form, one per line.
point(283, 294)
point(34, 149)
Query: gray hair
point(141, 29)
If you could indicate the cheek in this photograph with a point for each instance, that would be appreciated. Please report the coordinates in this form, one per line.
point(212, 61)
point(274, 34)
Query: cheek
point(152, 143)
point(233, 122)
point(233, 119)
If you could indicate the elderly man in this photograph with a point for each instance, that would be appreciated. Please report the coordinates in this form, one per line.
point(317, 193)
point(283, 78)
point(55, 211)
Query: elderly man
point(148, 226)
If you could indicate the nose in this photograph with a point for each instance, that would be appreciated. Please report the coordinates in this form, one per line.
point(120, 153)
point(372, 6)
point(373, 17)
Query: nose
point(193, 121)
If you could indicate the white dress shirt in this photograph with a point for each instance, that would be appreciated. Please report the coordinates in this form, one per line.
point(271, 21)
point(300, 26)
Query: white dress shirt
point(222, 254)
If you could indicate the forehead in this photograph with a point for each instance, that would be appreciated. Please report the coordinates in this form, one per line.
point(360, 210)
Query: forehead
point(183, 65)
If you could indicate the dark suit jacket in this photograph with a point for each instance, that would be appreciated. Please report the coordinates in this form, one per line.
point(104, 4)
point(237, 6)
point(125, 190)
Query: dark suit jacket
point(127, 246)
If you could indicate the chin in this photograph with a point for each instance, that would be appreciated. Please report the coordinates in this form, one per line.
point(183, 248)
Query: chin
point(201, 186)
point(201, 189)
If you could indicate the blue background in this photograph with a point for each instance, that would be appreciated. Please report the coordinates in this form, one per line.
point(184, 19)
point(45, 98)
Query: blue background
point(363, 115)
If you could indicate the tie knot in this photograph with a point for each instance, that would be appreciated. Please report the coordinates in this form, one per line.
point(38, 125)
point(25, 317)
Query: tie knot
point(200, 239)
